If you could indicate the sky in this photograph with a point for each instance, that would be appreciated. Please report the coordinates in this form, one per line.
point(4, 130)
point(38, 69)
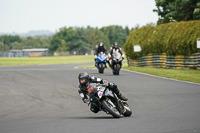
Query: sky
point(21, 16)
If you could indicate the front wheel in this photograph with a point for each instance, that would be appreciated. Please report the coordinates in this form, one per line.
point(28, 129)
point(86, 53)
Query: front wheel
point(128, 111)
point(114, 73)
point(111, 108)
point(116, 69)
point(101, 68)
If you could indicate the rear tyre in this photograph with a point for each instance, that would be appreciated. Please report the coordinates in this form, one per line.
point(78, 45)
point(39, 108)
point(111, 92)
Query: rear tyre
point(110, 108)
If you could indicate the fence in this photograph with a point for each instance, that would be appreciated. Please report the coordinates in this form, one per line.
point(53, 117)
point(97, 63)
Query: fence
point(165, 61)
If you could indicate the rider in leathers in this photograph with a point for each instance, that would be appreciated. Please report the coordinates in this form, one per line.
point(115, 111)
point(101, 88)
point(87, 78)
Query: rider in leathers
point(100, 48)
point(85, 80)
point(113, 49)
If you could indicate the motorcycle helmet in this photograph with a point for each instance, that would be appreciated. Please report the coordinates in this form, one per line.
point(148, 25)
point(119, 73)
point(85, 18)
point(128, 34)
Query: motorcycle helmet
point(83, 78)
point(101, 46)
point(115, 45)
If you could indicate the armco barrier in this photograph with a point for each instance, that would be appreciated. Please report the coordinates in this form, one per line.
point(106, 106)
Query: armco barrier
point(164, 61)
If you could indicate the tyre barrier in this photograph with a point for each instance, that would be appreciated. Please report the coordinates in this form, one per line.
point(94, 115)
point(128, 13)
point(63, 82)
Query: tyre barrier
point(166, 61)
point(197, 61)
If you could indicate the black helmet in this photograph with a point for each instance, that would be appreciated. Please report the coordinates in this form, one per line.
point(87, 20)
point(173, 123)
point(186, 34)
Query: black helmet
point(83, 78)
point(115, 44)
point(101, 45)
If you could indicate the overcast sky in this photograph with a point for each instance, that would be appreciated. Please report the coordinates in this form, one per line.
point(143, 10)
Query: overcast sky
point(25, 15)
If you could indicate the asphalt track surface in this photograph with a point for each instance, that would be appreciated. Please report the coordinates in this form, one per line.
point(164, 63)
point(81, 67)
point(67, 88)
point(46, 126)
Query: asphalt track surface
point(44, 99)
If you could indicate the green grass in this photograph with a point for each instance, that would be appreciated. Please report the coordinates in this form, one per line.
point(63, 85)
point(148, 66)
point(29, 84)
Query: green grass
point(179, 74)
point(45, 60)
point(185, 75)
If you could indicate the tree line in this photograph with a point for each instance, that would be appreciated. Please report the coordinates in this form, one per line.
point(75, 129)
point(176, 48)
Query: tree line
point(68, 39)
point(16, 42)
point(82, 40)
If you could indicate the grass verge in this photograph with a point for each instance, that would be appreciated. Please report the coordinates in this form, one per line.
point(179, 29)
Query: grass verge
point(179, 74)
point(45, 60)
point(184, 75)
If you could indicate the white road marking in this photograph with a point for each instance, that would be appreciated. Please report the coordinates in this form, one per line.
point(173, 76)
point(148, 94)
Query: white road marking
point(76, 67)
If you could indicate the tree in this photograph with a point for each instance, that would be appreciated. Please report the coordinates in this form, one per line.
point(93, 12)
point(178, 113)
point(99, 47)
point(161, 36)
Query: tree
point(62, 47)
point(77, 39)
point(7, 40)
point(81, 47)
point(17, 45)
point(127, 30)
point(62, 39)
point(197, 12)
point(83, 40)
point(95, 36)
point(116, 34)
point(10, 42)
point(35, 42)
point(177, 10)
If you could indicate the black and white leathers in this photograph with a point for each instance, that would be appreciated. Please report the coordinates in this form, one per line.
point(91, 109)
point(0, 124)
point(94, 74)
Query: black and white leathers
point(83, 88)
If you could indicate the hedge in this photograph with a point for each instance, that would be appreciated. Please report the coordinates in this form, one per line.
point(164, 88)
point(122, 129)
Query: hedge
point(176, 38)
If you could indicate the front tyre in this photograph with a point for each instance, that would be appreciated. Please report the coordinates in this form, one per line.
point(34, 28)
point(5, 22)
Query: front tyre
point(114, 73)
point(116, 69)
point(111, 108)
point(101, 68)
point(128, 111)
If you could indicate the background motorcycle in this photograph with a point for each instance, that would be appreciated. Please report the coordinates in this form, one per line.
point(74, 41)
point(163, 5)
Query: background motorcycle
point(116, 63)
point(101, 62)
point(104, 99)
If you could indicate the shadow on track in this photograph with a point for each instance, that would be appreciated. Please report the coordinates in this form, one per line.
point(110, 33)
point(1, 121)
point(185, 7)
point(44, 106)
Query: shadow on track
point(104, 74)
point(79, 117)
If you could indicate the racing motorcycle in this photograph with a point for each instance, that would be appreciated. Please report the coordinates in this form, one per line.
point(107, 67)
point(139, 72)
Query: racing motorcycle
point(101, 62)
point(116, 63)
point(105, 100)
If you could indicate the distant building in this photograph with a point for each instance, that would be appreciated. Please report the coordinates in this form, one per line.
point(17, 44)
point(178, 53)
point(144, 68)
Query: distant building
point(25, 53)
point(35, 52)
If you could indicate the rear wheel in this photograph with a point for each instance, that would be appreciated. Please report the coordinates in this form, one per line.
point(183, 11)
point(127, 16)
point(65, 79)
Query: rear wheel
point(111, 108)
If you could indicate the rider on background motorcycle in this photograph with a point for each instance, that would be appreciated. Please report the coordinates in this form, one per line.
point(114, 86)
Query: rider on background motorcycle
point(114, 49)
point(99, 49)
point(85, 80)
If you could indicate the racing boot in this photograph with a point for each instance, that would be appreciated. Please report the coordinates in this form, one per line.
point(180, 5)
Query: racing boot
point(120, 96)
point(114, 88)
